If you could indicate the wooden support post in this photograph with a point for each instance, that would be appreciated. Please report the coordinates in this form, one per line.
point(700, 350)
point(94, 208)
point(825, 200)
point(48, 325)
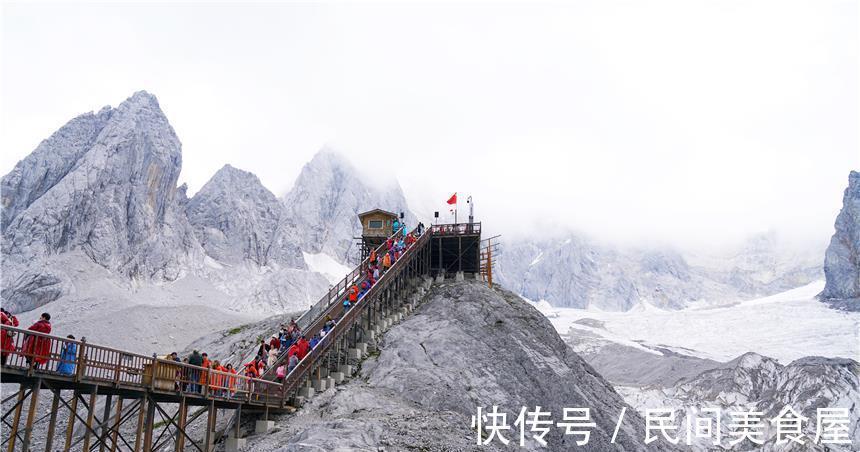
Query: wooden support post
point(91, 412)
point(459, 253)
point(210, 425)
point(490, 263)
point(116, 423)
point(140, 419)
point(31, 415)
point(208, 431)
point(238, 421)
point(73, 416)
point(180, 426)
point(105, 429)
point(208, 376)
point(149, 424)
point(13, 433)
point(52, 423)
point(81, 368)
point(440, 257)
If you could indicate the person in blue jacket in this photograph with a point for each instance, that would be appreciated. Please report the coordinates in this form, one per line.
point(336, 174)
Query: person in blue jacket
point(68, 357)
point(395, 226)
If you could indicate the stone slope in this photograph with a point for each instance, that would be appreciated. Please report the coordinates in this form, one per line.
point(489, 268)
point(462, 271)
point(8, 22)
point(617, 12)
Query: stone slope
point(465, 346)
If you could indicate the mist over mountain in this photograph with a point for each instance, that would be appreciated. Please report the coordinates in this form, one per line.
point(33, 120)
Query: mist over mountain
point(577, 271)
point(96, 230)
point(103, 190)
point(325, 201)
point(105, 186)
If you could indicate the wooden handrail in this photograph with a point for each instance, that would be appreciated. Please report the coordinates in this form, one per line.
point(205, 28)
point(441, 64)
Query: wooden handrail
point(95, 364)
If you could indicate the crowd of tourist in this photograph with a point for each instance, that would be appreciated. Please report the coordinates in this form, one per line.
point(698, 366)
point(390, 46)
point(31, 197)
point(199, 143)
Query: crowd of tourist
point(282, 351)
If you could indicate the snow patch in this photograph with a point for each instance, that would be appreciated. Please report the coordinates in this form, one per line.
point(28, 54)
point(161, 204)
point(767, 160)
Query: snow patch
point(537, 259)
point(786, 326)
point(322, 263)
point(212, 263)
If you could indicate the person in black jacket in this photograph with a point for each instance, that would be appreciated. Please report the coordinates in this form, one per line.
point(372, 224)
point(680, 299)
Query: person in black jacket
point(194, 359)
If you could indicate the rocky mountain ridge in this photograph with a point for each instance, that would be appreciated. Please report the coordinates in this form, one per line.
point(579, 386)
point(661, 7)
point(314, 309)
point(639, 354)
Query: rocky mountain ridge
point(325, 201)
point(755, 382)
point(103, 188)
point(105, 184)
point(580, 272)
point(842, 260)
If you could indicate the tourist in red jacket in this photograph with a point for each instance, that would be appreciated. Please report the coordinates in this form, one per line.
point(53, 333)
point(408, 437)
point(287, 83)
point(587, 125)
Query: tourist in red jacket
point(7, 342)
point(36, 348)
point(303, 348)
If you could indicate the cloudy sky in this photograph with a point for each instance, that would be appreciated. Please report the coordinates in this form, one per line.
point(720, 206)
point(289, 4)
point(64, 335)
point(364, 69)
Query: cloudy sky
point(686, 121)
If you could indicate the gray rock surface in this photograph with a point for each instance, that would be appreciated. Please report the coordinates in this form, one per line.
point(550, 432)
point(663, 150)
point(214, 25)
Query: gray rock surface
point(236, 218)
point(325, 201)
point(628, 366)
point(104, 188)
point(104, 184)
point(842, 260)
point(466, 346)
point(756, 382)
point(577, 271)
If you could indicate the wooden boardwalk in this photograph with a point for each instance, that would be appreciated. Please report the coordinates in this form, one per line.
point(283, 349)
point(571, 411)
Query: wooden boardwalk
point(134, 388)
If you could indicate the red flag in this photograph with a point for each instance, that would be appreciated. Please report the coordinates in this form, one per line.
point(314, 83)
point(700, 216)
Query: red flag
point(453, 199)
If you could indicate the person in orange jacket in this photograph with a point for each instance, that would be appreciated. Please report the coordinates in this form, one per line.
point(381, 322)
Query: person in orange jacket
point(353, 294)
point(206, 365)
point(251, 369)
point(215, 378)
point(231, 379)
point(386, 262)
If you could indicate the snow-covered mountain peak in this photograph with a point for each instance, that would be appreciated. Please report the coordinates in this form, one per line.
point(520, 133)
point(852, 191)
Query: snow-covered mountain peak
point(104, 184)
point(753, 360)
point(103, 189)
point(237, 219)
point(325, 201)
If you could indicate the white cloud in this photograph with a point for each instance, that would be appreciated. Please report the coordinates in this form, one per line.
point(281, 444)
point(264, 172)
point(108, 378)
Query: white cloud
point(682, 121)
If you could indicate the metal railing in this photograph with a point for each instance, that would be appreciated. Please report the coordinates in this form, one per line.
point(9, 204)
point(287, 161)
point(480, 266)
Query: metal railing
point(334, 295)
point(326, 306)
point(456, 229)
point(349, 318)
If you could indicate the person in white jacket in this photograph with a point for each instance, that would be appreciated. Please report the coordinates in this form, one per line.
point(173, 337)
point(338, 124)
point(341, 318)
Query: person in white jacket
point(273, 357)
